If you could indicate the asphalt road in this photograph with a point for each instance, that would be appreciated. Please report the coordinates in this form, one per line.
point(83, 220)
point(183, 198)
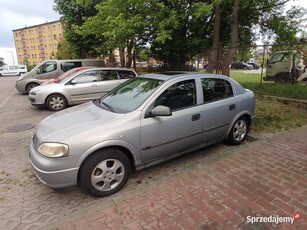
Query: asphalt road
point(25, 203)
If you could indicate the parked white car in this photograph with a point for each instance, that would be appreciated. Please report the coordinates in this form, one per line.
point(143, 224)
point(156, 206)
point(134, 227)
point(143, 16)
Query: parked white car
point(80, 87)
point(17, 70)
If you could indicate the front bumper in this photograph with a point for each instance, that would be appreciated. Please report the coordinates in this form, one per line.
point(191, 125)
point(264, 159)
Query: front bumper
point(55, 178)
point(20, 86)
point(34, 100)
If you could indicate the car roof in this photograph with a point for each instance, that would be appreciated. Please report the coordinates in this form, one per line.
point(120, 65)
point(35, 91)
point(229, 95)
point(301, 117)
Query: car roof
point(176, 74)
point(111, 68)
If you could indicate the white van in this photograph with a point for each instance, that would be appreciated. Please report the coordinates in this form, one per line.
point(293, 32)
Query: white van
point(7, 70)
point(51, 69)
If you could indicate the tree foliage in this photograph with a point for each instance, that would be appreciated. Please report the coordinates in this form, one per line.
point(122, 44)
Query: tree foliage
point(175, 31)
point(74, 15)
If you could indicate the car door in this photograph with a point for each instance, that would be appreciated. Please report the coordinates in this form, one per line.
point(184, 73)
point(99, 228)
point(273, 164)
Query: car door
point(279, 63)
point(84, 87)
point(47, 70)
point(169, 135)
point(219, 108)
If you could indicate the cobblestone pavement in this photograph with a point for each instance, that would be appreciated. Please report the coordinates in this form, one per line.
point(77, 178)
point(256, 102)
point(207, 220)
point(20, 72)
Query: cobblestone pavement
point(217, 187)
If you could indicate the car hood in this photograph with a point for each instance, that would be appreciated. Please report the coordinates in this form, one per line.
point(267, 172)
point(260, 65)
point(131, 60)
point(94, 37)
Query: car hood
point(77, 119)
point(52, 80)
point(45, 87)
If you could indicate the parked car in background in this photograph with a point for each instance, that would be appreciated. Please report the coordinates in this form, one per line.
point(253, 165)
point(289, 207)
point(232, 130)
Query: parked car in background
point(10, 70)
point(144, 121)
point(255, 65)
point(82, 86)
point(51, 69)
point(65, 74)
point(241, 65)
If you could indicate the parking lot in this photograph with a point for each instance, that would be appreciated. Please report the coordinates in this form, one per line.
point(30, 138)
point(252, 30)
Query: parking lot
point(217, 187)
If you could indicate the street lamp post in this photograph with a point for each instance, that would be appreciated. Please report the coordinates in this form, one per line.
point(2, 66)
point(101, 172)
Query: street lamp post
point(12, 56)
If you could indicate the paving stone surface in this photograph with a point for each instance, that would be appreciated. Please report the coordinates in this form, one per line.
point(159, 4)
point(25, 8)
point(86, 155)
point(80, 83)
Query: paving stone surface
point(220, 187)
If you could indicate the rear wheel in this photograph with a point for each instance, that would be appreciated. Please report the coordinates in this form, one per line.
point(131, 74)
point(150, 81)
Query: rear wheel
point(105, 172)
point(238, 131)
point(56, 102)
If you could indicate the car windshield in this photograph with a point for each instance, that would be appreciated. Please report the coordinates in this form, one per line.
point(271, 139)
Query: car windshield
point(61, 75)
point(129, 95)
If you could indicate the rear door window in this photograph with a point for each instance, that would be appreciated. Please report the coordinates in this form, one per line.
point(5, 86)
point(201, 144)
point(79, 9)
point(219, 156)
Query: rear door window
point(126, 74)
point(216, 89)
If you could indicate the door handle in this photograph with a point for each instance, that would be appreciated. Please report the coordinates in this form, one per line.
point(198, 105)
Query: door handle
point(196, 117)
point(94, 85)
point(232, 107)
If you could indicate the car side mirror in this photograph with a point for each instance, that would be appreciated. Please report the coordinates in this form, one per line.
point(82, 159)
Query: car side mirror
point(73, 82)
point(161, 110)
point(38, 71)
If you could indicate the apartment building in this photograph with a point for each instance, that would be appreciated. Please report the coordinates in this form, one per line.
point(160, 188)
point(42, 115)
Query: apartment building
point(35, 44)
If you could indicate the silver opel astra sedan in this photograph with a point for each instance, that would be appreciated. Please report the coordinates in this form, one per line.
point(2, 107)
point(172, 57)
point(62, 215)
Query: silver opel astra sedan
point(142, 122)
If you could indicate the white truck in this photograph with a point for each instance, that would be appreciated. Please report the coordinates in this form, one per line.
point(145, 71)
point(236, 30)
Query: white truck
point(16, 70)
point(285, 67)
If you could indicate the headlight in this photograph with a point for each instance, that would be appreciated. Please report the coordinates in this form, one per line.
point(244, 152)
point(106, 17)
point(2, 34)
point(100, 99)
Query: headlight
point(53, 149)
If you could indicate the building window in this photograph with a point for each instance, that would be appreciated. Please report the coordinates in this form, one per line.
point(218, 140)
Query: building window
point(54, 36)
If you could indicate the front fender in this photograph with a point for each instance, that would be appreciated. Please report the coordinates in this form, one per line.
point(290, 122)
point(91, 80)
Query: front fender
point(111, 143)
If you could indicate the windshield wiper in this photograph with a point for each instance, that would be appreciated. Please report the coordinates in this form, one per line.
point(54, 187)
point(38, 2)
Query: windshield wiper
point(106, 105)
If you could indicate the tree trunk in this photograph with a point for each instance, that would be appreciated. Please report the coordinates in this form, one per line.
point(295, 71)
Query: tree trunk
point(122, 56)
point(129, 53)
point(234, 33)
point(216, 39)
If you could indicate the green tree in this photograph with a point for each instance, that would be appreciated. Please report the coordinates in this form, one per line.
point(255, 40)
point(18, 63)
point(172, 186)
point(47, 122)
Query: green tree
point(119, 24)
point(65, 50)
point(175, 31)
point(179, 30)
point(243, 20)
point(73, 16)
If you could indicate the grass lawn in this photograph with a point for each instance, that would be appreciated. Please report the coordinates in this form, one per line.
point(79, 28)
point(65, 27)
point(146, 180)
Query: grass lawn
point(252, 82)
point(272, 115)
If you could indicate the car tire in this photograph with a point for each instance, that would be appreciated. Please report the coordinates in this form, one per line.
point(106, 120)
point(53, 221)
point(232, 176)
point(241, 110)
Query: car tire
point(238, 131)
point(105, 172)
point(56, 102)
point(30, 86)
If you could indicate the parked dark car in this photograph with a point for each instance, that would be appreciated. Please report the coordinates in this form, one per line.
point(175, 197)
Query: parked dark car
point(255, 65)
point(241, 65)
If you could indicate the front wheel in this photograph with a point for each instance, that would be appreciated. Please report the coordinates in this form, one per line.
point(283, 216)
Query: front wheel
point(56, 102)
point(30, 86)
point(238, 131)
point(105, 172)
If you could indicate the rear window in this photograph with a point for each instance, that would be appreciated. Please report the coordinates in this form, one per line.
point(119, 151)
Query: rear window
point(216, 89)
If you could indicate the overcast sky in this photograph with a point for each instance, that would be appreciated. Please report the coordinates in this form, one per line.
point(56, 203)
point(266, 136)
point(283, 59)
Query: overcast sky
point(16, 14)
